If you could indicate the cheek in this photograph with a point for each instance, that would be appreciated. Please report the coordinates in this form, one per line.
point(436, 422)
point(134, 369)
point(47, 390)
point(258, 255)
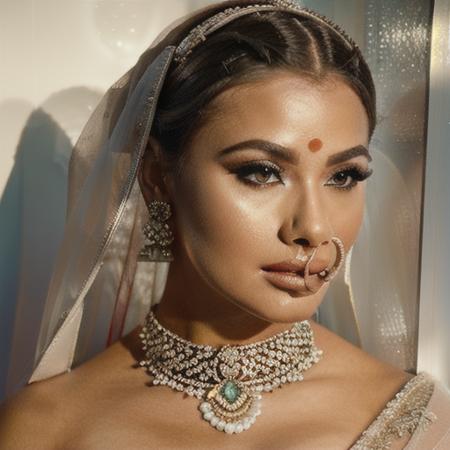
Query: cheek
point(225, 216)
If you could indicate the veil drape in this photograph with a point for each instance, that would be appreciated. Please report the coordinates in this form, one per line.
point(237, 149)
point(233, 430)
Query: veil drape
point(99, 291)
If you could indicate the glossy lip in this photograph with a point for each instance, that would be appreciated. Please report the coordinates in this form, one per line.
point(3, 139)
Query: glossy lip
point(291, 265)
point(290, 274)
point(286, 280)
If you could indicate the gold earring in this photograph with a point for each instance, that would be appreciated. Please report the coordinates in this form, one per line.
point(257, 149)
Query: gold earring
point(157, 233)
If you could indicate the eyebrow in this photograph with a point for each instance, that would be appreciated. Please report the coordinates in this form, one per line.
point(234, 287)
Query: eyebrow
point(288, 155)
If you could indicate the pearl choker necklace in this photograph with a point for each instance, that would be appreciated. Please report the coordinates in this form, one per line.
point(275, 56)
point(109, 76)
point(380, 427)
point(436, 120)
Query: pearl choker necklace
point(228, 379)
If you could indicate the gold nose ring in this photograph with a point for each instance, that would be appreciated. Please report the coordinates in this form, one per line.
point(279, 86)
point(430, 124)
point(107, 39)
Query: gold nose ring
point(329, 274)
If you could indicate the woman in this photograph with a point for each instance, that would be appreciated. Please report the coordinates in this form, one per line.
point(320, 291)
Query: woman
point(245, 129)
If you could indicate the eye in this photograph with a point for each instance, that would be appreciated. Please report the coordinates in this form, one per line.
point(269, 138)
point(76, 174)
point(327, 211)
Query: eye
point(258, 173)
point(348, 178)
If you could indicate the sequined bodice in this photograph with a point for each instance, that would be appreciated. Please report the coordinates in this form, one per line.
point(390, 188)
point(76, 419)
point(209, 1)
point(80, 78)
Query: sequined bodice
point(405, 413)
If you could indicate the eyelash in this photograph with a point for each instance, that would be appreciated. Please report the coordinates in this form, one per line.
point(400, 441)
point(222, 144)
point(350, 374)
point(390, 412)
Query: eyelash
point(353, 171)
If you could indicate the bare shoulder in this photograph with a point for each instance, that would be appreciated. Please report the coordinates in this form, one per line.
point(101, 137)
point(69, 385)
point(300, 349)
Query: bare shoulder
point(41, 415)
point(30, 418)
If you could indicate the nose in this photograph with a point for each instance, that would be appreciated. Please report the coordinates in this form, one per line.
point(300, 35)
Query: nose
point(307, 223)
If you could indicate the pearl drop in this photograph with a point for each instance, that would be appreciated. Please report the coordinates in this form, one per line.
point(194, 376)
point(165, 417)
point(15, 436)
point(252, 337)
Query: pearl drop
point(208, 415)
point(214, 421)
point(239, 428)
point(205, 407)
point(220, 425)
point(229, 428)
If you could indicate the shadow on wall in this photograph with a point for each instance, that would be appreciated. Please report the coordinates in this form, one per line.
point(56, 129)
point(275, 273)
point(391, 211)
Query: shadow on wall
point(32, 217)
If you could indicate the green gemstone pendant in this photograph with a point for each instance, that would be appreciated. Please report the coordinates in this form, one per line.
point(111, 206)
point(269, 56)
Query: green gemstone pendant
point(230, 406)
point(230, 391)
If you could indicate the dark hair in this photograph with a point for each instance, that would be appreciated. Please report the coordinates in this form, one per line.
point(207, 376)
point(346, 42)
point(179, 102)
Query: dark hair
point(247, 48)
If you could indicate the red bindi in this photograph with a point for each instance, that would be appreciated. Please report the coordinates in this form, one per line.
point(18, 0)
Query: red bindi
point(315, 144)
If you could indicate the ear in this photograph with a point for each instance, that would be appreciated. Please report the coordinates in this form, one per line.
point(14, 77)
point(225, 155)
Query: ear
point(152, 173)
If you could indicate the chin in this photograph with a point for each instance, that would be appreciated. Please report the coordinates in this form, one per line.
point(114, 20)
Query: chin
point(288, 313)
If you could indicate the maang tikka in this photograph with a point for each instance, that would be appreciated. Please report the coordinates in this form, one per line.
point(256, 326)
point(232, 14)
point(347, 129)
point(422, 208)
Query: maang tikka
point(158, 234)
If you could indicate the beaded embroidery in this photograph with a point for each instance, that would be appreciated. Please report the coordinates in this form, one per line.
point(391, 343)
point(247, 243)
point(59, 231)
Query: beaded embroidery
point(405, 413)
point(199, 33)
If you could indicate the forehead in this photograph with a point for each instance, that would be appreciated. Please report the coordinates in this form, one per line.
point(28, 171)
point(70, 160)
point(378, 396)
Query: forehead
point(290, 110)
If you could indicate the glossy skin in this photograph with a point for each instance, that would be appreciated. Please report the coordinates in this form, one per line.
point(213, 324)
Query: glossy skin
point(225, 231)
point(228, 229)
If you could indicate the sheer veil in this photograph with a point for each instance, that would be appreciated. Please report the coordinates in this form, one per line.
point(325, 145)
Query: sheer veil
point(99, 291)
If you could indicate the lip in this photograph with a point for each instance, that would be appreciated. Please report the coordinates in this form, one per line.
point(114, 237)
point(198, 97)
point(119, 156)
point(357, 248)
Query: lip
point(290, 274)
point(293, 266)
point(286, 280)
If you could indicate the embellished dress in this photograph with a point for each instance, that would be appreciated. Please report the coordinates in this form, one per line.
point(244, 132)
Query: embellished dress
point(421, 410)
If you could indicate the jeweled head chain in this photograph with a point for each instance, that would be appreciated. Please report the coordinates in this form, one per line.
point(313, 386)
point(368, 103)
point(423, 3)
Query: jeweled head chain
point(199, 33)
point(229, 379)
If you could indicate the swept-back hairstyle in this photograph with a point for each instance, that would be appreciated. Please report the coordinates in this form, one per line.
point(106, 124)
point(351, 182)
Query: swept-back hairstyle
point(246, 49)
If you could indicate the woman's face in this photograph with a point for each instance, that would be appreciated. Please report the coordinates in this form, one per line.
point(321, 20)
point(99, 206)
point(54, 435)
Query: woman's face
point(243, 202)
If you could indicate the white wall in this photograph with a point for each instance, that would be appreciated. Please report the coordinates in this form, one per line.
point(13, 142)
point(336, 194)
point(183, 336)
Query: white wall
point(48, 46)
